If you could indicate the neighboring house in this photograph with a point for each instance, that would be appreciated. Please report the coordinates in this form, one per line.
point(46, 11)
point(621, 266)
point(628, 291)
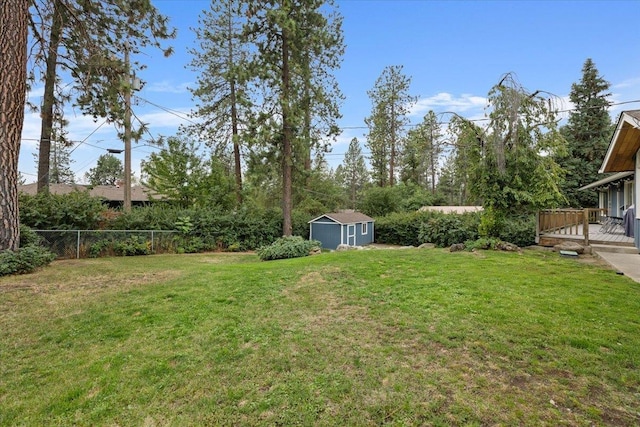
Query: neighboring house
point(342, 228)
point(623, 156)
point(451, 209)
point(112, 195)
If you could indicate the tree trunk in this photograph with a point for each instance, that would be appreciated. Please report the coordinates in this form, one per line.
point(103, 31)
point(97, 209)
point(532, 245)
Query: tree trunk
point(287, 141)
point(236, 144)
point(14, 16)
point(234, 120)
point(392, 156)
point(44, 151)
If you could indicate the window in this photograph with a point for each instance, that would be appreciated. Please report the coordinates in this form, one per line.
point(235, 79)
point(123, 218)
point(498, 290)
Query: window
point(364, 228)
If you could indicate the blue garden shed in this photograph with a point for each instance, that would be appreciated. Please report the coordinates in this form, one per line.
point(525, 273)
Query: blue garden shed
point(342, 228)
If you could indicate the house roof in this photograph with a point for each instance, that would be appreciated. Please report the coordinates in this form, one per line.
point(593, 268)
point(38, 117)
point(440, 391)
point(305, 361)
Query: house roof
point(607, 180)
point(139, 193)
point(451, 209)
point(624, 144)
point(346, 217)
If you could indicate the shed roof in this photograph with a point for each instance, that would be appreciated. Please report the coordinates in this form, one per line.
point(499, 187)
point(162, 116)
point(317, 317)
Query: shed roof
point(607, 180)
point(346, 217)
point(624, 144)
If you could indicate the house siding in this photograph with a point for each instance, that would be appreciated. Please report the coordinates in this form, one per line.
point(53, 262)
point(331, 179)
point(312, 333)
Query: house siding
point(636, 190)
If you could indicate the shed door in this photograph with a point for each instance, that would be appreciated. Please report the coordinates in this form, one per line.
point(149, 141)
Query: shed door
point(351, 234)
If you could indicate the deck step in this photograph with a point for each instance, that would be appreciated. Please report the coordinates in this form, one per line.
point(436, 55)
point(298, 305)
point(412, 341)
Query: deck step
point(614, 249)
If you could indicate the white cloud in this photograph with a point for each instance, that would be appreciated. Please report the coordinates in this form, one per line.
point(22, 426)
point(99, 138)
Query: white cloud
point(443, 101)
point(167, 86)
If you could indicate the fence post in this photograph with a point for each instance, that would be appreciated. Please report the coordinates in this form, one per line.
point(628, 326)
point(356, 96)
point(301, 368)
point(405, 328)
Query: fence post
point(585, 227)
point(78, 246)
point(537, 227)
point(152, 250)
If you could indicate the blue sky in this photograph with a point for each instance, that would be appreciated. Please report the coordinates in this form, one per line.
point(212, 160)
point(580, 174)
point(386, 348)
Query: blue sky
point(454, 51)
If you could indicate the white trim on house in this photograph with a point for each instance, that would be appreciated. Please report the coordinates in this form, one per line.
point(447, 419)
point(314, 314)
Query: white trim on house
point(637, 185)
point(364, 229)
point(351, 234)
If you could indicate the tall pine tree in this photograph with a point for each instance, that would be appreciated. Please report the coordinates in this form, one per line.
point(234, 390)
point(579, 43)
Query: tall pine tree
point(297, 44)
point(222, 84)
point(353, 172)
point(13, 75)
point(391, 101)
point(587, 132)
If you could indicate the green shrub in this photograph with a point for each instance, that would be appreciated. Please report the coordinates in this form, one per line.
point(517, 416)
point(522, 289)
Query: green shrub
point(448, 229)
point(519, 230)
point(287, 247)
point(100, 248)
point(159, 216)
point(401, 228)
point(28, 236)
point(134, 245)
point(483, 243)
point(25, 260)
point(74, 211)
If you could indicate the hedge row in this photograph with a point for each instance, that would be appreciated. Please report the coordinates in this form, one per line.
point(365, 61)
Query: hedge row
point(415, 228)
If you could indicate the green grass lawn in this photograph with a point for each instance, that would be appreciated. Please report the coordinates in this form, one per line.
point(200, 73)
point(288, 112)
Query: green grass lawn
point(397, 337)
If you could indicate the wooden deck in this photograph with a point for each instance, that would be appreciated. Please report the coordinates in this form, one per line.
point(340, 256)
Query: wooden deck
point(597, 235)
point(584, 226)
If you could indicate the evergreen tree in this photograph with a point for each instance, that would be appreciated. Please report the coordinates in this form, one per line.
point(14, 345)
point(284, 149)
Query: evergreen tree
point(391, 102)
point(447, 187)
point(222, 86)
point(297, 45)
point(353, 172)
point(60, 160)
point(462, 159)
point(587, 132)
point(14, 16)
point(83, 42)
point(422, 153)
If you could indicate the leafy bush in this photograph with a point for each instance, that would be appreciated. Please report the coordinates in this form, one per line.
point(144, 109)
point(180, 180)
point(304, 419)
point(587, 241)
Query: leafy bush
point(379, 201)
point(520, 230)
point(401, 228)
point(134, 245)
point(25, 260)
point(483, 243)
point(74, 211)
point(287, 247)
point(28, 236)
point(447, 229)
point(155, 217)
point(100, 248)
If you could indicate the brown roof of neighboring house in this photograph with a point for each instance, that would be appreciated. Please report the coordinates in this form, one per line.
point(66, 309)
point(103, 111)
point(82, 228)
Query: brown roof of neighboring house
point(139, 193)
point(346, 217)
point(452, 209)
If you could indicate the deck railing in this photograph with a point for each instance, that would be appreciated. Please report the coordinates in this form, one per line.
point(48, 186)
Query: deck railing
point(570, 222)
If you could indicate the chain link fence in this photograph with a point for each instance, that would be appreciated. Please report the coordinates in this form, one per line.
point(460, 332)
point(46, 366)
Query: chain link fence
point(68, 244)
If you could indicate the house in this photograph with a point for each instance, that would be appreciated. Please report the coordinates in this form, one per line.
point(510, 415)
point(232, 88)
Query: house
point(342, 228)
point(111, 195)
point(615, 193)
point(623, 157)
